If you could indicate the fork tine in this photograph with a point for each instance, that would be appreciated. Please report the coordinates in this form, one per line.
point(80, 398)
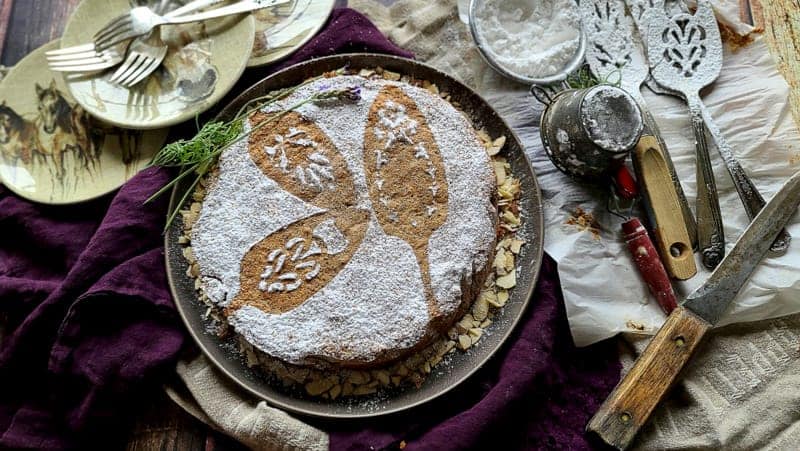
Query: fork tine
point(70, 50)
point(84, 67)
point(153, 63)
point(73, 56)
point(132, 69)
point(115, 23)
point(99, 58)
point(121, 35)
point(123, 68)
point(136, 71)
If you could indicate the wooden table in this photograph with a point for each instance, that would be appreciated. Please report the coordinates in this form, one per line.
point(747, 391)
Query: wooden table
point(28, 24)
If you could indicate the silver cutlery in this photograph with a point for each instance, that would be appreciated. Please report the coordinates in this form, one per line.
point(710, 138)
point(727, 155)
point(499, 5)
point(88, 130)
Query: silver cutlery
point(146, 53)
point(685, 53)
point(751, 198)
point(614, 47)
point(138, 22)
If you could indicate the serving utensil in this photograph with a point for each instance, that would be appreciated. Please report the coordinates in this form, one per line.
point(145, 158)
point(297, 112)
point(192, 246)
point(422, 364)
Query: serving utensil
point(648, 10)
point(685, 53)
point(614, 49)
point(635, 397)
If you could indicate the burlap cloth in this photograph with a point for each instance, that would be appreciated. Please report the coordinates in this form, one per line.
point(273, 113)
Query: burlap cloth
point(740, 392)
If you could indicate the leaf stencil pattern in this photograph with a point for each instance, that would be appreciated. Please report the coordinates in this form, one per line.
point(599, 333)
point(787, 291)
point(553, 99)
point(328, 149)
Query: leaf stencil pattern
point(298, 155)
point(287, 267)
point(405, 176)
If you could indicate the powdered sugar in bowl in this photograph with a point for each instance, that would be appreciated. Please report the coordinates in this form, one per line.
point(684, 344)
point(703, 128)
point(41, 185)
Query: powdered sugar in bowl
point(531, 41)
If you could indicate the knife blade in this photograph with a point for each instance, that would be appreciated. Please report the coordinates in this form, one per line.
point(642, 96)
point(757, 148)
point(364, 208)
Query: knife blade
point(629, 406)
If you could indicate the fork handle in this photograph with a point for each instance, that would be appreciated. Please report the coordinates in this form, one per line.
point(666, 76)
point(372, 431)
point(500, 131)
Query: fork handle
point(751, 198)
point(192, 7)
point(710, 235)
point(237, 8)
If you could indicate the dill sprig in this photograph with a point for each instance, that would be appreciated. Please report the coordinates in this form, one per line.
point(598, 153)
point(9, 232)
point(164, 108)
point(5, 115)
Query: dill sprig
point(198, 154)
point(584, 78)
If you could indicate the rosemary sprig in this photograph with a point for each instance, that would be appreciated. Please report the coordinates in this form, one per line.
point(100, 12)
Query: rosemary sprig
point(199, 154)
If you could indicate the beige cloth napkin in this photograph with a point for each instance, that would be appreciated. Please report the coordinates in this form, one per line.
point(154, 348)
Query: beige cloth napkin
point(740, 393)
point(213, 399)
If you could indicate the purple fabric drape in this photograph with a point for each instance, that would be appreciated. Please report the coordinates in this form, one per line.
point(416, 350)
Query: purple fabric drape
point(91, 327)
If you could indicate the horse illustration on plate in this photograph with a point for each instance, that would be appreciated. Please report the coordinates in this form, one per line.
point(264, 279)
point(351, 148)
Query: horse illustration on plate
point(59, 137)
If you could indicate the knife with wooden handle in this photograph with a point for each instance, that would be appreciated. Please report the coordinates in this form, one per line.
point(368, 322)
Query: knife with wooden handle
point(630, 404)
point(672, 236)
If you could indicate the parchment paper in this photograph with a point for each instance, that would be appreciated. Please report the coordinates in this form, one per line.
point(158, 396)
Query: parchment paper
point(603, 293)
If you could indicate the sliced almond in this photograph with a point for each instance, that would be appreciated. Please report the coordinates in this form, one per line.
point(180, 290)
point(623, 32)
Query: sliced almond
point(347, 389)
point(502, 297)
point(516, 245)
point(499, 172)
point(508, 281)
point(358, 377)
point(364, 390)
point(382, 376)
point(464, 342)
point(480, 308)
point(319, 386)
point(336, 390)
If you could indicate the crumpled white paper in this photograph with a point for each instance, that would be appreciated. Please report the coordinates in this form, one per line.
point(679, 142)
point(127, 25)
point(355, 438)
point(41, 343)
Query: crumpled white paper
point(603, 292)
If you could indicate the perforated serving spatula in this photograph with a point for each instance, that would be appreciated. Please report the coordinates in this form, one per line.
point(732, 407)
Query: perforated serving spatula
point(630, 404)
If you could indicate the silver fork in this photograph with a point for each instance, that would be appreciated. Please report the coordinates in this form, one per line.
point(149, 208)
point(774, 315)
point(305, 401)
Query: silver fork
point(144, 52)
point(85, 58)
point(147, 52)
point(102, 54)
point(142, 20)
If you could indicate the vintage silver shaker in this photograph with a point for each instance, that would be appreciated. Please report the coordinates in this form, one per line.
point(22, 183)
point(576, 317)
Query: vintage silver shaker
point(587, 133)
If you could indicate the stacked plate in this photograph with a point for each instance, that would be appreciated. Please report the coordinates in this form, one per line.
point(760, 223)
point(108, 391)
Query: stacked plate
point(70, 138)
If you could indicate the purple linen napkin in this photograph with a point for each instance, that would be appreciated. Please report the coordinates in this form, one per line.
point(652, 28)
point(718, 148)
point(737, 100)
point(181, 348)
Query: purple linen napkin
point(90, 323)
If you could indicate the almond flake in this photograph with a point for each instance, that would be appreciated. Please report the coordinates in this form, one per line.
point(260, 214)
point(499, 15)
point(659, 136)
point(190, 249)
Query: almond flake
point(507, 281)
point(516, 244)
point(464, 342)
point(502, 297)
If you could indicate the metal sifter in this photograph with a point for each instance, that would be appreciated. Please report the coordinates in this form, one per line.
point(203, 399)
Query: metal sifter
point(485, 48)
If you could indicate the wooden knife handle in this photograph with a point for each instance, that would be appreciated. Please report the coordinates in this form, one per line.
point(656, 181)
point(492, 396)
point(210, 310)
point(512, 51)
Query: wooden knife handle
point(672, 238)
point(629, 406)
point(650, 267)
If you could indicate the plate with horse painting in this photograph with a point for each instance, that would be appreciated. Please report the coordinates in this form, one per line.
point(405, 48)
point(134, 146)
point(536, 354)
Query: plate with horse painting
point(51, 150)
point(203, 62)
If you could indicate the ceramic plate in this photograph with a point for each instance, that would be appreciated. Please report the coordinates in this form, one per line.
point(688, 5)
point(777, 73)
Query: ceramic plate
point(460, 364)
point(51, 151)
point(282, 29)
point(203, 62)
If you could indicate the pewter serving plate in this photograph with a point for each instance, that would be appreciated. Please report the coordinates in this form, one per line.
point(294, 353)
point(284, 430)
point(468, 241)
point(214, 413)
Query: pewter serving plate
point(458, 365)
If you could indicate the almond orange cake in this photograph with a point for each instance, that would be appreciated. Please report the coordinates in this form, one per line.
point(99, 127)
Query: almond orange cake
point(352, 232)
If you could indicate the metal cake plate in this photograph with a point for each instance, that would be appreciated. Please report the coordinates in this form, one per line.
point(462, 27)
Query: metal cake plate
point(458, 366)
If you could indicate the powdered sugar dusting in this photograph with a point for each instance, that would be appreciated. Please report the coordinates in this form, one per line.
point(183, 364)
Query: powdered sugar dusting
point(375, 305)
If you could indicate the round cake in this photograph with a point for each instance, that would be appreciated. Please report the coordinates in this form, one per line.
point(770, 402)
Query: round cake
point(348, 232)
